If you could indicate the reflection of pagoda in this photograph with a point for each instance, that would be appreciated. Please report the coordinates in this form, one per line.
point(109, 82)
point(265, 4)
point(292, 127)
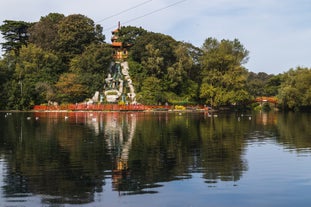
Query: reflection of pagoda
point(119, 85)
point(120, 131)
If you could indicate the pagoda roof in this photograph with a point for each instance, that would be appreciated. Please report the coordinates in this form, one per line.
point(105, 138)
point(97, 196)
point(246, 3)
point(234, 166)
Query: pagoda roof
point(116, 44)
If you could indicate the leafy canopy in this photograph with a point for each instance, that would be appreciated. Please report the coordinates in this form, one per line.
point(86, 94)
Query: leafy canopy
point(223, 76)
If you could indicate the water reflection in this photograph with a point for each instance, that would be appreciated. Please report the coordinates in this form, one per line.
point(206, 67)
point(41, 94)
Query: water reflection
point(70, 157)
point(50, 156)
point(294, 131)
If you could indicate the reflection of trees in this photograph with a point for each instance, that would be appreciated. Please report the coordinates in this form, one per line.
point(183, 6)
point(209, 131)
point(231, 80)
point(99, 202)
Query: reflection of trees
point(289, 129)
point(54, 159)
point(172, 147)
point(221, 151)
point(294, 130)
point(66, 160)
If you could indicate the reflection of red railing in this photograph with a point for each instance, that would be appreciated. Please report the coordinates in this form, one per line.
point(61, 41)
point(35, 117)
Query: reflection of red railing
point(98, 107)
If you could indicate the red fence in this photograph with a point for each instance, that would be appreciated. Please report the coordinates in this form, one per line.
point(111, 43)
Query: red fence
point(98, 107)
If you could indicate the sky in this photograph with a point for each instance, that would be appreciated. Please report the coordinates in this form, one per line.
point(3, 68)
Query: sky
point(277, 33)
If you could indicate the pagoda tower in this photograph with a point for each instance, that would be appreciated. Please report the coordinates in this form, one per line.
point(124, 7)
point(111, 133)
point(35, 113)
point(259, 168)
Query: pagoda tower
point(120, 49)
point(119, 85)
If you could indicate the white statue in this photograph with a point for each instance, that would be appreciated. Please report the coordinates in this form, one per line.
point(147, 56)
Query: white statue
point(95, 98)
point(116, 81)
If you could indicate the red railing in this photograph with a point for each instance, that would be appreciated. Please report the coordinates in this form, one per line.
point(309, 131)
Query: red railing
point(109, 107)
point(98, 107)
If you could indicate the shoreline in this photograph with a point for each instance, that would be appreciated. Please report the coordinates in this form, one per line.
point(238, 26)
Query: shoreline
point(107, 111)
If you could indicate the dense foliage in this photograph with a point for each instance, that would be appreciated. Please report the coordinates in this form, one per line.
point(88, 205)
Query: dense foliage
point(66, 59)
point(295, 90)
point(223, 76)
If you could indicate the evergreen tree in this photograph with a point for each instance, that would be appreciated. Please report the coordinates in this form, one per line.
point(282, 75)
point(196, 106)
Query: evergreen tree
point(15, 33)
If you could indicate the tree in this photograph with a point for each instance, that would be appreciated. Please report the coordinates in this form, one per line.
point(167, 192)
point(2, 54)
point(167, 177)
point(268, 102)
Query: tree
point(153, 62)
point(172, 62)
point(137, 73)
point(223, 76)
point(7, 70)
point(3, 80)
point(179, 78)
point(69, 89)
point(36, 67)
point(163, 43)
point(295, 92)
point(129, 34)
point(92, 67)
point(45, 32)
point(75, 33)
point(16, 35)
point(188, 67)
point(223, 55)
point(256, 83)
point(151, 91)
point(48, 50)
point(195, 53)
point(95, 59)
point(177, 73)
point(272, 85)
point(38, 64)
point(263, 84)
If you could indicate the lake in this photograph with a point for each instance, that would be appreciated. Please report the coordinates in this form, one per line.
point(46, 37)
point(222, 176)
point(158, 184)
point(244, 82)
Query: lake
point(146, 159)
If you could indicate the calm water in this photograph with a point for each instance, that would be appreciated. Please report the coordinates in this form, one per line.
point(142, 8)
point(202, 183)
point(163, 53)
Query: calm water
point(154, 159)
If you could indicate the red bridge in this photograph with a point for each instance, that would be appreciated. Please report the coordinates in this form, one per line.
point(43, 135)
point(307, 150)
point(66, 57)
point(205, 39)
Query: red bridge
point(266, 99)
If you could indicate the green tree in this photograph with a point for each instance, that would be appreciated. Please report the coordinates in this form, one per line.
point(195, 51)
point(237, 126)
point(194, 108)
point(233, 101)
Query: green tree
point(272, 85)
point(195, 53)
point(15, 34)
point(153, 62)
point(223, 76)
point(151, 91)
point(28, 78)
point(7, 70)
point(36, 68)
point(178, 79)
point(176, 64)
point(38, 63)
point(70, 89)
point(3, 81)
point(45, 32)
point(137, 73)
point(256, 83)
point(295, 90)
point(92, 67)
point(75, 33)
point(165, 45)
point(263, 84)
point(129, 34)
point(177, 73)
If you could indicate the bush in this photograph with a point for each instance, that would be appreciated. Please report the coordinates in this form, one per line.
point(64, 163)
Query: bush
point(178, 107)
point(266, 107)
